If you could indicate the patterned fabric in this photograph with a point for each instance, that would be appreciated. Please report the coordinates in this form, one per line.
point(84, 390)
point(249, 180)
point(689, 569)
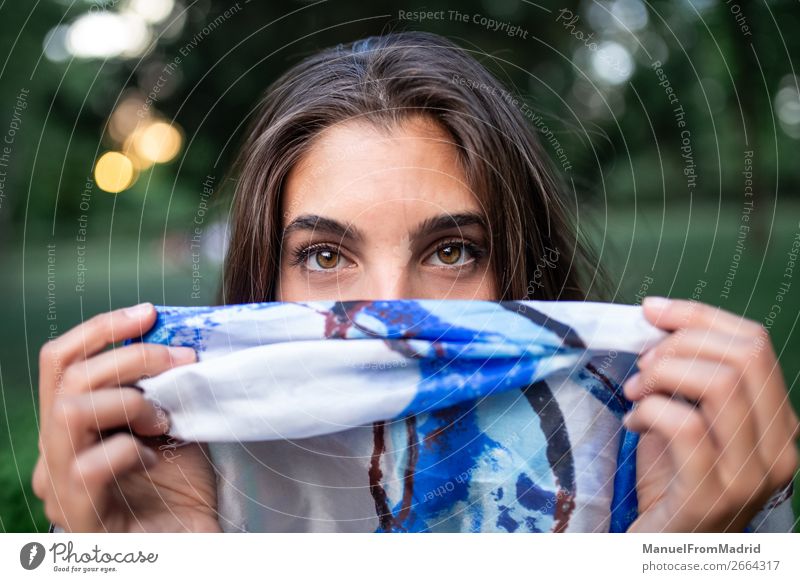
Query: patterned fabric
point(410, 415)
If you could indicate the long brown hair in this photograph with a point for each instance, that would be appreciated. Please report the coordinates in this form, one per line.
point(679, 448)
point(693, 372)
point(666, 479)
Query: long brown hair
point(535, 249)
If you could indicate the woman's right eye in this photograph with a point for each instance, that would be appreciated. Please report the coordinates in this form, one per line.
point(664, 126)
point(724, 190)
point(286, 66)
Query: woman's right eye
point(324, 259)
point(321, 258)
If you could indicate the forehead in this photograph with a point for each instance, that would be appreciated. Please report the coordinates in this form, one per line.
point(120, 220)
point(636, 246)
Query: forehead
point(357, 171)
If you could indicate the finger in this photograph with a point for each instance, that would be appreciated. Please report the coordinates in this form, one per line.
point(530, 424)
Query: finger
point(124, 365)
point(39, 481)
point(84, 341)
point(672, 314)
point(94, 470)
point(88, 414)
point(775, 420)
point(706, 343)
point(723, 402)
point(123, 407)
point(696, 482)
point(77, 420)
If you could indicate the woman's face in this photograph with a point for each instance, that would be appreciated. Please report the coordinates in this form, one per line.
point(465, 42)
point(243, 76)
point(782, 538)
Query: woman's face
point(374, 215)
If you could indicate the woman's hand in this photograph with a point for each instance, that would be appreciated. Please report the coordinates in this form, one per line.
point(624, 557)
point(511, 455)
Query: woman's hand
point(114, 483)
point(709, 464)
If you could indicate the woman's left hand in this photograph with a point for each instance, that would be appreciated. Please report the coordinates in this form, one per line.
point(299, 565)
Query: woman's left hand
point(712, 463)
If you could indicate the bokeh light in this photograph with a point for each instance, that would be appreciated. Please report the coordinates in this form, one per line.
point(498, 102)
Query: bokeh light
point(55, 44)
point(107, 34)
point(787, 106)
point(629, 14)
point(157, 143)
point(153, 11)
point(126, 117)
point(114, 172)
point(612, 63)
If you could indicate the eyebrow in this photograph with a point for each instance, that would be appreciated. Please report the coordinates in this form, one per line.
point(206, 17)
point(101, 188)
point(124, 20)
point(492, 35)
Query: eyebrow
point(432, 224)
point(316, 223)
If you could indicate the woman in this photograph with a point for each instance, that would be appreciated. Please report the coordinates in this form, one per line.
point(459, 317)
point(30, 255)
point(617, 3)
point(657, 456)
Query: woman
point(397, 168)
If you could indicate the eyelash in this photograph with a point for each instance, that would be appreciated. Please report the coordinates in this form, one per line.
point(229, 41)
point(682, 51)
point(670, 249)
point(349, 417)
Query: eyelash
point(476, 252)
point(301, 255)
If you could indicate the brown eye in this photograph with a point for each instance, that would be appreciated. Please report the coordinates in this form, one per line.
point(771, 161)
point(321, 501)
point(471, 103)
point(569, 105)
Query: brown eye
point(321, 257)
point(456, 253)
point(327, 259)
point(449, 255)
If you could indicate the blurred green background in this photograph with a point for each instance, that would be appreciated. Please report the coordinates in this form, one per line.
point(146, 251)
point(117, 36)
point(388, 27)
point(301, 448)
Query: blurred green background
point(118, 118)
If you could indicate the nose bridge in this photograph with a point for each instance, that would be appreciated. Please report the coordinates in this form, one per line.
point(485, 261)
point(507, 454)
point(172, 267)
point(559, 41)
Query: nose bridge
point(388, 266)
point(389, 280)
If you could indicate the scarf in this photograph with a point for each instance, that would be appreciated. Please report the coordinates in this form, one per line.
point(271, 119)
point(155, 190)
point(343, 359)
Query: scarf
point(440, 379)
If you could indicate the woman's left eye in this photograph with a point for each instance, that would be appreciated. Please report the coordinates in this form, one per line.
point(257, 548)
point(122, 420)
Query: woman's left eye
point(454, 254)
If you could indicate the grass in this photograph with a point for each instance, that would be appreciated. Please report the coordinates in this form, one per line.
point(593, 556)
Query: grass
point(671, 250)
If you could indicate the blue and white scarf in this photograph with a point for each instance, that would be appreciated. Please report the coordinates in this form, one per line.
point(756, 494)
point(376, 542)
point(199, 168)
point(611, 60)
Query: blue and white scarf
point(439, 415)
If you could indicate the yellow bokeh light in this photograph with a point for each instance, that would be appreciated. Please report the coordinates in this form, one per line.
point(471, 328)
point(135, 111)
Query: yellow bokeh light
point(114, 172)
point(159, 142)
point(129, 149)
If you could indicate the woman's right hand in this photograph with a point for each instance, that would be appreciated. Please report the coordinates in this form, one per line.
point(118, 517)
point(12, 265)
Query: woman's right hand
point(115, 483)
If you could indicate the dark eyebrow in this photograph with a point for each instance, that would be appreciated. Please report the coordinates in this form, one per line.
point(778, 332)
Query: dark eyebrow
point(432, 224)
point(446, 221)
point(329, 226)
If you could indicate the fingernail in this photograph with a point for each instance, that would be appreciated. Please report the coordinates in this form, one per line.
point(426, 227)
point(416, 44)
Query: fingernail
point(138, 311)
point(626, 419)
point(631, 385)
point(655, 302)
point(182, 355)
point(646, 358)
point(149, 456)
